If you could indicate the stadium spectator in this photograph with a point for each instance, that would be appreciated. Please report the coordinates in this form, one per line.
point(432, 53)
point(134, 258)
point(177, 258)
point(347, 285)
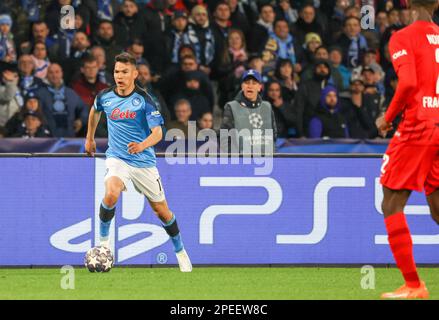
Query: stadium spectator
point(335, 25)
point(352, 42)
point(183, 111)
point(32, 126)
point(282, 109)
point(262, 29)
point(80, 48)
point(28, 82)
point(41, 61)
point(231, 66)
point(249, 112)
point(175, 35)
point(136, 49)
point(220, 28)
point(336, 59)
point(104, 76)
point(63, 109)
point(285, 11)
point(281, 45)
point(128, 24)
point(328, 122)
point(306, 23)
point(105, 39)
point(93, 11)
point(285, 76)
point(16, 122)
point(307, 98)
point(200, 36)
point(312, 42)
point(205, 121)
point(8, 93)
point(157, 21)
point(241, 15)
point(7, 45)
point(40, 33)
point(191, 91)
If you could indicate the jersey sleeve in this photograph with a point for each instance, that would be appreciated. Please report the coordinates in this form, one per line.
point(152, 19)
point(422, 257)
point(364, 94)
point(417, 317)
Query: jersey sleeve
point(153, 115)
point(97, 104)
point(403, 60)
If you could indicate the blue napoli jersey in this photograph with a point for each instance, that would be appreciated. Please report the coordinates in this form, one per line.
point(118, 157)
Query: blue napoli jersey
point(130, 119)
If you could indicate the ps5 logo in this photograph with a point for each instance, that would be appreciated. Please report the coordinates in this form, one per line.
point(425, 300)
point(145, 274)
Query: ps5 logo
point(132, 208)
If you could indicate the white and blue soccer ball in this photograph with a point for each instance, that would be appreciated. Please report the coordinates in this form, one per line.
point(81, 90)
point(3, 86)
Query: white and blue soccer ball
point(99, 259)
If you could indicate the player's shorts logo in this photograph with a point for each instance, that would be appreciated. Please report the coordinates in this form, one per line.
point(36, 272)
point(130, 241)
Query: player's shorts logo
point(136, 101)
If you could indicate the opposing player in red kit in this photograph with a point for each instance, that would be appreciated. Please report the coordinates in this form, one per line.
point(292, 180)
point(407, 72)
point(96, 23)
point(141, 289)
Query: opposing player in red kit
point(411, 161)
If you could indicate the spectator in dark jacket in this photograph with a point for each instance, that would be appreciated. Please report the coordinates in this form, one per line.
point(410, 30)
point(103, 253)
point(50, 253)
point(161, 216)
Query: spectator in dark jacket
point(175, 35)
point(64, 110)
point(105, 39)
point(32, 127)
point(128, 24)
point(261, 30)
point(306, 23)
point(282, 109)
point(307, 98)
point(28, 82)
point(328, 122)
point(353, 43)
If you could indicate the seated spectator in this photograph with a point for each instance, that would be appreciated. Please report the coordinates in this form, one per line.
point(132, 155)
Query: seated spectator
point(104, 76)
point(80, 49)
point(105, 39)
point(64, 110)
point(336, 58)
point(32, 126)
point(256, 62)
point(261, 30)
point(285, 76)
point(306, 23)
point(191, 91)
point(7, 45)
point(285, 11)
point(28, 82)
point(16, 122)
point(40, 33)
point(87, 86)
point(175, 35)
point(312, 42)
point(329, 122)
point(128, 24)
point(282, 109)
point(352, 42)
point(281, 45)
point(8, 92)
point(205, 121)
point(136, 49)
point(183, 113)
point(41, 61)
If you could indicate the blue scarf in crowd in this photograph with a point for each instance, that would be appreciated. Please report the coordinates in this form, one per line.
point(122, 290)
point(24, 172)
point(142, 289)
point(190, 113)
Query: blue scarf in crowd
point(105, 10)
point(191, 38)
point(285, 48)
point(357, 45)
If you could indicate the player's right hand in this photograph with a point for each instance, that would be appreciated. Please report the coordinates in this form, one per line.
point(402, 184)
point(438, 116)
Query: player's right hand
point(90, 147)
point(383, 126)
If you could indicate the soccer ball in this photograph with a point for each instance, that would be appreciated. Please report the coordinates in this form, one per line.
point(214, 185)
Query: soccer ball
point(99, 259)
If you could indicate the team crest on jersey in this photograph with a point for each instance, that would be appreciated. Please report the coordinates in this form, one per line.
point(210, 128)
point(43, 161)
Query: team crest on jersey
point(136, 101)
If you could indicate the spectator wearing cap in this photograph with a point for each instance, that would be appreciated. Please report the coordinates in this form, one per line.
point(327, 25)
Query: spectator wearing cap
point(262, 29)
point(64, 110)
point(282, 45)
point(8, 94)
point(27, 82)
point(200, 36)
point(191, 91)
point(352, 42)
point(328, 122)
point(175, 35)
point(157, 22)
point(32, 126)
point(249, 112)
point(307, 97)
point(7, 46)
point(312, 42)
point(16, 123)
point(306, 23)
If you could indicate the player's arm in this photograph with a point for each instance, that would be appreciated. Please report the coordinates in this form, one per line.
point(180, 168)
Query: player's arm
point(93, 120)
point(154, 138)
point(404, 65)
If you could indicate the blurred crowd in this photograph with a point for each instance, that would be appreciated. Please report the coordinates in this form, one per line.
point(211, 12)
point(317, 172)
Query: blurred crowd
point(325, 68)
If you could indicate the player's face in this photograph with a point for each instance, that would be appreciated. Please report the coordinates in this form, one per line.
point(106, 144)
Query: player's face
point(124, 75)
point(251, 88)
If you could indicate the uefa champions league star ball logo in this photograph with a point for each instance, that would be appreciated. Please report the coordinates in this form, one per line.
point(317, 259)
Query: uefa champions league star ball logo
point(256, 120)
point(136, 101)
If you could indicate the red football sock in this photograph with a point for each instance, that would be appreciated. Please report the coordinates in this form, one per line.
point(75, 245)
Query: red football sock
point(401, 244)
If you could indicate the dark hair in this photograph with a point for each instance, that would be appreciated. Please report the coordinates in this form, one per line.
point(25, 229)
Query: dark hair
point(125, 57)
point(88, 58)
point(279, 64)
point(350, 18)
point(102, 21)
point(280, 20)
point(136, 41)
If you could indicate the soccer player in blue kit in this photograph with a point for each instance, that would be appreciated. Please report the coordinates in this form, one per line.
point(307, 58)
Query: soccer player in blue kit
point(134, 127)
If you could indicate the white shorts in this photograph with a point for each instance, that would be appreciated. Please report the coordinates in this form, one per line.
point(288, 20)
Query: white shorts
point(145, 180)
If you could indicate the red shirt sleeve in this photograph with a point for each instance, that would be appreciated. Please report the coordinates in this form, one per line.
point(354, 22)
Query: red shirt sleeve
point(404, 64)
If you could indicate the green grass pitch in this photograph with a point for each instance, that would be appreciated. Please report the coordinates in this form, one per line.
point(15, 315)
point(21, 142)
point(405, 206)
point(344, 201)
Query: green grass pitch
point(228, 283)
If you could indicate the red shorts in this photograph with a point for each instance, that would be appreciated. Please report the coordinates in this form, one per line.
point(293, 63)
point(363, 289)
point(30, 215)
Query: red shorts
point(410, 167)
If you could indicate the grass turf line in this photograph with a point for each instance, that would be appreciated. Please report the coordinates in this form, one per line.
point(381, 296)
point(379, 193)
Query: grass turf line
point(206, 283)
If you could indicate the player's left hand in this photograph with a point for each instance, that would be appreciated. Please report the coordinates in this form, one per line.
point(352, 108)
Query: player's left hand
point(135, 147)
